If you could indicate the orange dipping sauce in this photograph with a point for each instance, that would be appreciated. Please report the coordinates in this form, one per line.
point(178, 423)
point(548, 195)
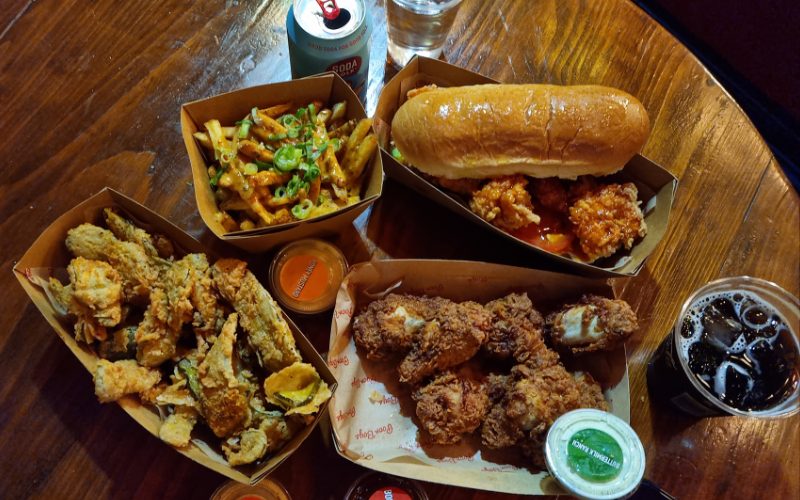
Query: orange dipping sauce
point(305, 275)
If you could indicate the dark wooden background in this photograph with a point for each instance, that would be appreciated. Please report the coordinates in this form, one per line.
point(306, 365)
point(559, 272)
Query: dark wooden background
point(90, 92)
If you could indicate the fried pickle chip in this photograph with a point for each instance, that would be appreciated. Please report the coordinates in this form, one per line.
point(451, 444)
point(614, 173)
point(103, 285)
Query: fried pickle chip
point(297, 388)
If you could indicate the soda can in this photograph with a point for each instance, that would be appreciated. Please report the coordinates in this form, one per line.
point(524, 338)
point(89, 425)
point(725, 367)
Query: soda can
point(330, 35)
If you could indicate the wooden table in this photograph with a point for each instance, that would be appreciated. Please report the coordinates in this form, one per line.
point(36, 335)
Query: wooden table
point(90, 92)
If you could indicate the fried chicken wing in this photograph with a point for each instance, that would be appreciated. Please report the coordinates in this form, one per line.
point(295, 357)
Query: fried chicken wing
point(388, 326)
point(267, 331)
point(505, 202)
point(223, 402)
point(593, 324)
point(533, 400)
point(453, 336)
point(117, 379)
point(607, 219)
point(516, 331)
point(450, 407)
point(93, 296)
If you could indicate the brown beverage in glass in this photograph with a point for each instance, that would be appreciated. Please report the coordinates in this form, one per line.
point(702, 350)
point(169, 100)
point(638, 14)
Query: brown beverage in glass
point(735, 351)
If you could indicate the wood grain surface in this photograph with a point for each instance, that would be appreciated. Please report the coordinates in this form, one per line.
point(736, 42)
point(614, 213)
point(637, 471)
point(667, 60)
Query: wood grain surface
point(90, 93)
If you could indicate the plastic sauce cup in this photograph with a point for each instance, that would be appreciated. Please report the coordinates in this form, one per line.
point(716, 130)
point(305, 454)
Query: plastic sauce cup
point(595, 455)
point(266, 489)
point(305, 275)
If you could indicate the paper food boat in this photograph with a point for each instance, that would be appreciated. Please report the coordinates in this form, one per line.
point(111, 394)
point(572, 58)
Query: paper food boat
point(655, 184)
point(232, 106)
point(48, 255)
point(371, 413)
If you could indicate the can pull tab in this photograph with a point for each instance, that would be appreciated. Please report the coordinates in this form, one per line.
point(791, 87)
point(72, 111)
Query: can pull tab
point(330, 10)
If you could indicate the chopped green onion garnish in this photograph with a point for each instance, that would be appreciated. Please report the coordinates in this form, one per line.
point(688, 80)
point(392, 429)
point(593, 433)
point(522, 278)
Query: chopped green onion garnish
point(287, 158)
point(244, 128)
point(293, 186)
point(280, 192)
point(263, 165)
point(302, 209)
point(256, 118)
point(289, 121)
point(214, 181)
point(313, 112)
point(276, 137)
point(311, 172)
point(250, 169)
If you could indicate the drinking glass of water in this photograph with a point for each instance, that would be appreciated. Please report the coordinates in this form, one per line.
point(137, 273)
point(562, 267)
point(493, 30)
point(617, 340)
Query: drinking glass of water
point(418, 27)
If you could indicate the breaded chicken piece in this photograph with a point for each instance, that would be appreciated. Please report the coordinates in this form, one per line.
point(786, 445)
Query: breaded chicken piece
point(607, 219)
point(223, 402)
point(387, 327)
point(505, 203)
point(125, 230)
point(591, 394)
point(267, 330)
point(550, 193)
point(93, 296)
point(453, 336)
point(139, 271)
point(117, 379)
point(593, 324)
point(516, 332)
point(533, 400)
point(450, 407)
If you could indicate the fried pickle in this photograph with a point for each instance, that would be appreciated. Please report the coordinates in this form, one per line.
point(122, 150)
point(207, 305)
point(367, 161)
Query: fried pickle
point(223, 402)
point(267, 331)
point(120, 378)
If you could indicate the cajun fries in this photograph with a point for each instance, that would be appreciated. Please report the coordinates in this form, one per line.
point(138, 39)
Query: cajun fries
point(285, 163)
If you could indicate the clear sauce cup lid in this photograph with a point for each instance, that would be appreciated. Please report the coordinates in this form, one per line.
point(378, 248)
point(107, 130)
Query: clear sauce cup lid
point(595, 455)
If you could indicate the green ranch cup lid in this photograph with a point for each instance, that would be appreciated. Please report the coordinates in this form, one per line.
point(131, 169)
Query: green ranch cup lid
point(594, 455)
